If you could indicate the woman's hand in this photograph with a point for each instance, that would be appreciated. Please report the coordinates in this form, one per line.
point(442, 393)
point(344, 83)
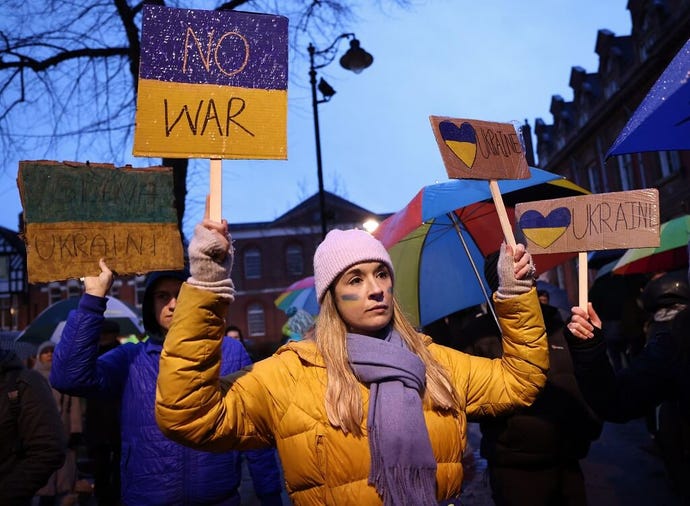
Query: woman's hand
point(211, 256)
point(515, 271)
point(524, 267)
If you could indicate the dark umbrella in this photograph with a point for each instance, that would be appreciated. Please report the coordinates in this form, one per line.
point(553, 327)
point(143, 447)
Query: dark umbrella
point(662, 120)
point(599, 258)
point(47, 326)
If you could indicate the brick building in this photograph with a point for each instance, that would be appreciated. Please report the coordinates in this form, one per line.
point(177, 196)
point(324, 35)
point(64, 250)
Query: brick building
point(272, 255)
point(583, 129)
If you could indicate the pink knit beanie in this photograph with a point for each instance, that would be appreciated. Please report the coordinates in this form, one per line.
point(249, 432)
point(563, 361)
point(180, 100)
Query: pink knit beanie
point(342, 249)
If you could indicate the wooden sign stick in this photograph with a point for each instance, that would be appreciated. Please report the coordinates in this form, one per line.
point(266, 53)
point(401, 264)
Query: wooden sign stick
point(502, 215)
point(582, 280)
point(216, 190)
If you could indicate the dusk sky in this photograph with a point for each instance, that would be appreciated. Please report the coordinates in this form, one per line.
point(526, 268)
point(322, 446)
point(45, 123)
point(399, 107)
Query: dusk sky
point(494, 61)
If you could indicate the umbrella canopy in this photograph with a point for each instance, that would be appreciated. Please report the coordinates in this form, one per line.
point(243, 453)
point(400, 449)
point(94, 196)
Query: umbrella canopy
point(49, 323)
point(599, 258)
point(438, 242)
point(662, 120)
point(670, 255)
point(300, 295)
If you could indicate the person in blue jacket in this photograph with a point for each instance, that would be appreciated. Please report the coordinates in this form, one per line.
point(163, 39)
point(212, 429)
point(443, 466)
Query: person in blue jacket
point(155, 470)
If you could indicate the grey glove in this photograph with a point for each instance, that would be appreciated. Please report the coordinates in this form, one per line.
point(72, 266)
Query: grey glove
point(508, 285)
point(210, 262)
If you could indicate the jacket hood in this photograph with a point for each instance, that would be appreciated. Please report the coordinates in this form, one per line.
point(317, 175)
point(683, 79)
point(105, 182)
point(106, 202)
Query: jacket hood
point(147, 311)
point(44, 345)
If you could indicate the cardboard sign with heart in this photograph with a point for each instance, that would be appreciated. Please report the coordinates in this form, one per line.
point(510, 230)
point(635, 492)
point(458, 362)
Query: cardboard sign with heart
point(473, 149)
point(590, 222)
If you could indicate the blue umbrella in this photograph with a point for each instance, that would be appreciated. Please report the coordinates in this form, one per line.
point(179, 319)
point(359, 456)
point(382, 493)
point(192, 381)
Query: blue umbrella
point(662, 120)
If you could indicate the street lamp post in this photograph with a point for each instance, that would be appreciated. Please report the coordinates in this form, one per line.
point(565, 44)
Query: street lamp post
point(355, 59)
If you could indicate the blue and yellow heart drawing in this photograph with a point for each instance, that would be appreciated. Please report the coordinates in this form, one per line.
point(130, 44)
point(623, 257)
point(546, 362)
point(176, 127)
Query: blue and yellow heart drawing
point(461, 140)
point(545, 230)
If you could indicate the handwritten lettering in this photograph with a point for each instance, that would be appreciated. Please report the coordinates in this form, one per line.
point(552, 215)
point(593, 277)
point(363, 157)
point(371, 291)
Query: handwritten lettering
point(58, 246)
point(98, 195)
point(612, 217)
point(494, 142)
point(230, 38)
point(235, 107)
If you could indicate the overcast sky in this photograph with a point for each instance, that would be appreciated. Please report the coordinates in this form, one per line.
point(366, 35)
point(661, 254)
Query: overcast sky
point(494, 61)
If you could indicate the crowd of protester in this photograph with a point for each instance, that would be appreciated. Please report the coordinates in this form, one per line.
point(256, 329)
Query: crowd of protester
point(168, 419)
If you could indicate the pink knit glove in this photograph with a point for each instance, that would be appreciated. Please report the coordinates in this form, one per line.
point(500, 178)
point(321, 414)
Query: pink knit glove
point(210, 262)
point(508, 284)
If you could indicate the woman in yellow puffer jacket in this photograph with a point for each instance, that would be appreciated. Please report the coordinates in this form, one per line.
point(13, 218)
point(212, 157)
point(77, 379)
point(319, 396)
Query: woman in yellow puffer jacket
point(366, 410)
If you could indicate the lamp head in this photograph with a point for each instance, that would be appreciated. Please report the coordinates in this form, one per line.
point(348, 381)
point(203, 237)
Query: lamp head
point(356, 59)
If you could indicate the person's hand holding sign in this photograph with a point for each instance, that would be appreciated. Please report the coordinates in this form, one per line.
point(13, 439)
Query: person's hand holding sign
point(211, 256)
point(99, 285)
point(515, 271)
point(583, 323)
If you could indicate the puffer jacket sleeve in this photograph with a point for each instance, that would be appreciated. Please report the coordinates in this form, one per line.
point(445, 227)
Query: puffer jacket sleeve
point(191, 405)
point(77, 369)
point(514, 380)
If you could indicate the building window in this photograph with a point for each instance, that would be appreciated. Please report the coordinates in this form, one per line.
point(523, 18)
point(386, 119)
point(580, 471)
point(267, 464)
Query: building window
point(669, 162)
point(593, 178)
point(294, 260)
point(139, 289)
point(54, 292)
point(73, 288)
point(625, 169)
point(5, 274)
point(115, 289)
point(256, 320)
point(252, 263)
point(6, 314)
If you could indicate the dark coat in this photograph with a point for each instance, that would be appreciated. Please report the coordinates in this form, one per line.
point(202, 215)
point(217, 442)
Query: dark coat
point(32, 441)
point(559, 426)
point(154, 469)
point(658, 376)
point(660, 372)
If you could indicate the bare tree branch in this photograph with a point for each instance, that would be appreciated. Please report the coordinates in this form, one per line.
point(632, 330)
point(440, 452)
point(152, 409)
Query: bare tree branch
point(26, 62)
point(69, 70)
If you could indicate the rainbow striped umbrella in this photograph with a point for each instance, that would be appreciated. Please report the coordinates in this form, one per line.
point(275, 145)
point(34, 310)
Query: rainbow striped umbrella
point(439, 240)
point(300, 295)
point(670, 255)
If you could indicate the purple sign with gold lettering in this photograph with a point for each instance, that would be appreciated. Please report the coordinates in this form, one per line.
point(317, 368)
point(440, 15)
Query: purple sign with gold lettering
point(212, 84)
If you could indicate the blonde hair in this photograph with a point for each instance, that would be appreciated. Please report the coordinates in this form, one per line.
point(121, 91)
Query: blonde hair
point(344, 405)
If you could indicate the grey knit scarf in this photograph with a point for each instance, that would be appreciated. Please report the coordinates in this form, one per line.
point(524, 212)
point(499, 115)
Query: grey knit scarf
point(403, 467)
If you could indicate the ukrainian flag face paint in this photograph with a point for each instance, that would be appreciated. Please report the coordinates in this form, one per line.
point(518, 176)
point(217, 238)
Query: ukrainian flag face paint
point(364, 297)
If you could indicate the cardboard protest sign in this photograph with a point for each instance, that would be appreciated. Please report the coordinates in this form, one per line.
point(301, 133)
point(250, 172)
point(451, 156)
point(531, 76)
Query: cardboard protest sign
point(76, 213)
point(212, 84)
point(601, 221)
point(473, 149)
